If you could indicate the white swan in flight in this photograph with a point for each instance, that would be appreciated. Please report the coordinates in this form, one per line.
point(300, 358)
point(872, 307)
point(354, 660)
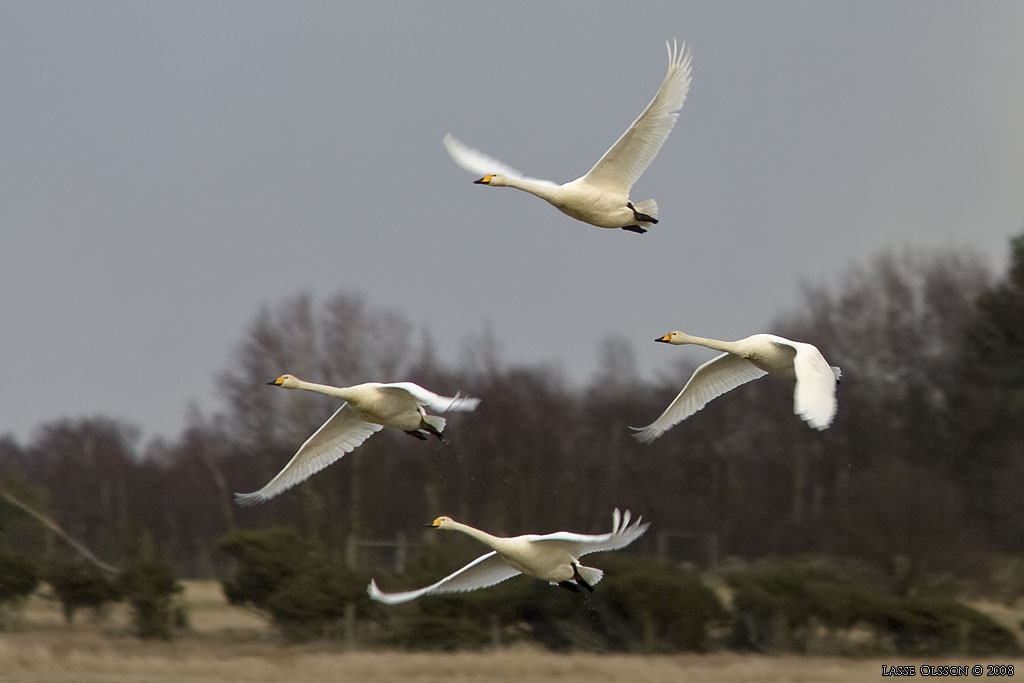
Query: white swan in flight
point(814, 398)
point(550, 557)
point(368, 408)
point(601, 197)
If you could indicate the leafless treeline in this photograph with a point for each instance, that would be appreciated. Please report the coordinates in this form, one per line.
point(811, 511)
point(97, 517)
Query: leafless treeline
point(921, 472)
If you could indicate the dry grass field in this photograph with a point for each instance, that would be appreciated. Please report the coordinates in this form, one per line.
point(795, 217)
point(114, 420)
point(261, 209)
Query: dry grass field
point(228, 645)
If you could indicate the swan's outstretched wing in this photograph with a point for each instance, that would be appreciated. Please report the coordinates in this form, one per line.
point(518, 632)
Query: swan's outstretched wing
point(814, 398)
point(621, 535)
point(630, 156)
point(341, 434)
point(436, 402)
point(709, 381)
point(482, 572)
point(477, 162)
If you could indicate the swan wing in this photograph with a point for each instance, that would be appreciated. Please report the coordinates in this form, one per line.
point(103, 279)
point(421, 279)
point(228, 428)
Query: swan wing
point(622, 534)
point(709, 381)
point(341, 434)
point(436, 402)
point(477, 162)
point(630, 156)
point(482, 572)
point(814, 398)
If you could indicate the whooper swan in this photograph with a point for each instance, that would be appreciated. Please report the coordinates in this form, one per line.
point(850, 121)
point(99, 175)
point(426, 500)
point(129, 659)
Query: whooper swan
point(550, 557)
point(814, 398)
point(601, 197)
point(368, 408)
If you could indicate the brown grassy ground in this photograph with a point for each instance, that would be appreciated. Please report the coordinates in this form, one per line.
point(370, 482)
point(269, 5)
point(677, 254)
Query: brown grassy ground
point(227, 645)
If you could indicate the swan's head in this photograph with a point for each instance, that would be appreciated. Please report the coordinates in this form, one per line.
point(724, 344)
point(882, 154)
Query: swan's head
point(442, 522)
point(495, 179)
point(286, 381)
point(675, 337)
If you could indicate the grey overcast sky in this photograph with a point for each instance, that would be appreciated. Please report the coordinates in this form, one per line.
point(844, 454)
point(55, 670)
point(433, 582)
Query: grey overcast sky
point(166, 168)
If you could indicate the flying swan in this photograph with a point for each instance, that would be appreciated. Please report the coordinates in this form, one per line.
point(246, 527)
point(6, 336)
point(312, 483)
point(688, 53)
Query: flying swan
point(549, 557)
point(814, 398)
point(601, 197)
point(368, 408)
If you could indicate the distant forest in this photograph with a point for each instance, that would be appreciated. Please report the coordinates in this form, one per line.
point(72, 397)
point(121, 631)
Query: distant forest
point(921, 473)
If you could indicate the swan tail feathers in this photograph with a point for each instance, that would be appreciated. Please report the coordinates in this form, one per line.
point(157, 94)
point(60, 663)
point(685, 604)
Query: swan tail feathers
point(434, 421)
point(590, 574)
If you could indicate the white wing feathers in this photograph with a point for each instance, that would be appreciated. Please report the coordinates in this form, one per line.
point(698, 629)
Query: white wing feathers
point(814, 398)
point(622, 534)
point(341, 434)
point(477, 162)
point(482, 572)
point(629, 157)
point(435, 402)
point(709, 381)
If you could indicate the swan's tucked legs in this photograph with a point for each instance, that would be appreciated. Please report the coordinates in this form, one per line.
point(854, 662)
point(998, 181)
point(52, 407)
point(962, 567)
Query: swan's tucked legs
point(418, 434)
point(635, 228)
point(569, 585)
point(640, 216)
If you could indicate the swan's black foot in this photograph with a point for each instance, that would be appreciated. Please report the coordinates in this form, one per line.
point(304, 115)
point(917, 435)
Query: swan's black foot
point(419, 435)
point(569, 585)
point(635, 228)
point(579, 579)
point(641, 217)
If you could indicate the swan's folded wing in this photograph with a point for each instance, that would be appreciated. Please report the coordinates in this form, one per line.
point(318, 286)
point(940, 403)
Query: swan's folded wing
point(482, 572)
point(436, 402)
point(477, 162)
point(814, 397)
point(630, 156)
point(622, 534)
point(341, 434)
point(712, 379)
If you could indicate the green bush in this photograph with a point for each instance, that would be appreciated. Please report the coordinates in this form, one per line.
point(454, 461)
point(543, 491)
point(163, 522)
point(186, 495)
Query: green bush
point(264, 561)
point(313, 603)
point(776, 608)
point(304, 591)
point(18, 577)
point(662, 608)
point(150, 586)
point(79, 584)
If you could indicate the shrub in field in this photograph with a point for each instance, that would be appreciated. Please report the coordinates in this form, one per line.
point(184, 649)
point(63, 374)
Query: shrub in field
point(777, 608)
point(316, 600)
point(18, 578)
point(78, 584)
point(264, 561)
point(150, 586)
point(660, 607)
point(935, 626)
point(306, 592)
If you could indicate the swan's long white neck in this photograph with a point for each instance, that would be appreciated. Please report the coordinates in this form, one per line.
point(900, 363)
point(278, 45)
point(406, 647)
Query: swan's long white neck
point(487, 539)
point(716, 344)
point(337, 392)
point(545, 192)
